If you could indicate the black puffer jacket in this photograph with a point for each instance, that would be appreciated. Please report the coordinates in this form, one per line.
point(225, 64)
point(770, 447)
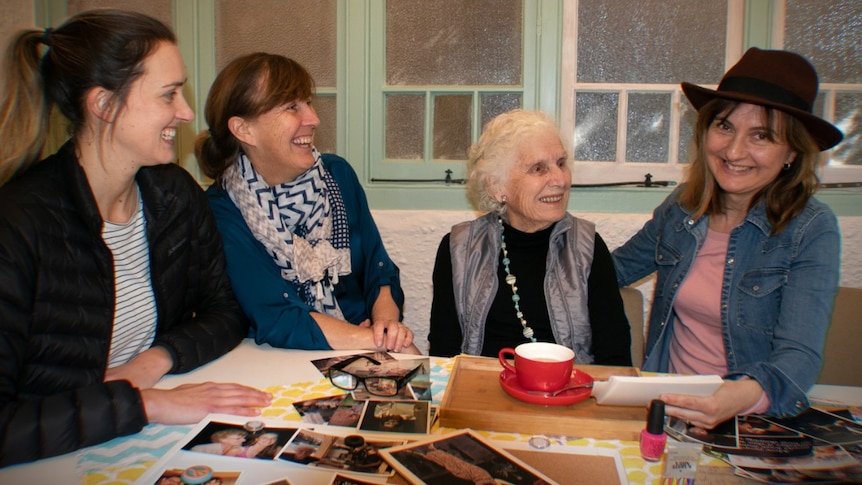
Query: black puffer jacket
point(57, 304)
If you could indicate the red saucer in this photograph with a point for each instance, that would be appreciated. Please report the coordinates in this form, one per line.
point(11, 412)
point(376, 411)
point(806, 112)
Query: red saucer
point(510, 384)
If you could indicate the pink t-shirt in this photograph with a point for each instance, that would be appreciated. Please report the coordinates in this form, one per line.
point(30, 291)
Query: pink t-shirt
point(697, 346)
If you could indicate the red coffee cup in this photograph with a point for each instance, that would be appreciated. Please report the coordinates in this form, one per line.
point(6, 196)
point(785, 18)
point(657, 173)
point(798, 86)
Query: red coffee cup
point(540, 366)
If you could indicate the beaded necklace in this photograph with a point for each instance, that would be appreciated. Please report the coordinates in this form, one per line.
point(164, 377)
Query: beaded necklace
point(511, 280)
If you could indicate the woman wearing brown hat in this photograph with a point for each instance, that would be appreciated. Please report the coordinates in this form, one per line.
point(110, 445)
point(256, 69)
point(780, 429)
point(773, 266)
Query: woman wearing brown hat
point(746, 259)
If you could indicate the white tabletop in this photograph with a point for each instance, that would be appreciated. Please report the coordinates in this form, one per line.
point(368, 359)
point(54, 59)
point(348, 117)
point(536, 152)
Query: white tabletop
point(259, 366)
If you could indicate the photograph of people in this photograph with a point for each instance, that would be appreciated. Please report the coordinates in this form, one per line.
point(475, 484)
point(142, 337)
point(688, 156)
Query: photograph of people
point(746, 258)
point(527, 270)
point(303, 253)
point(396, 416)
point(111, 265)
point(227, 442)
point(263, 447)
point(304, 454)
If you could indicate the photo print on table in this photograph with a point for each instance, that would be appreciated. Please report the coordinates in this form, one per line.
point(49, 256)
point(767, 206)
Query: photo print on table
point(412, 417)
point(174, 476)
point(319, 410)
point(407, 379)
point(348, 414)
point(457, 457)
point(827, 464)
point(240, 440)
point(323, 365)
point(354, 453)
point(824, 426)
point(748, 435)
point(340, 479)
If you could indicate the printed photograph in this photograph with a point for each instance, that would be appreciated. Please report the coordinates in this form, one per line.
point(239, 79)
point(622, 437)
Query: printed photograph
point(412, 374)
point(353, 453)
point(397, 417)
point(753, 425)
point(406, 393)
point(323, 365)
point(320, 410)
point(824, 426)
point(827, 464)
point(745, 436)
point(460, 457)
point(226, 439)
point(175, 477)
point(348, 414)
point(723, 435)
point(339, 479)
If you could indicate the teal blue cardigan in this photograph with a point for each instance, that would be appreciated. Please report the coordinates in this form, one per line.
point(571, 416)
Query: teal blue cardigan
point(278, 314)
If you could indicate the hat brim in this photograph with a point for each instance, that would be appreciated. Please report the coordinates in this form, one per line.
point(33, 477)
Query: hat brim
point(825, 134)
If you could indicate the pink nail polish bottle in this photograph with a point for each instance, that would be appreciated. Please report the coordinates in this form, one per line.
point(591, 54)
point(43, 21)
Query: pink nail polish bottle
point(653, 438)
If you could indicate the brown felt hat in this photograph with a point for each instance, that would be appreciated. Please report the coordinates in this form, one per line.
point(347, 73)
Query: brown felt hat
point(778, 79)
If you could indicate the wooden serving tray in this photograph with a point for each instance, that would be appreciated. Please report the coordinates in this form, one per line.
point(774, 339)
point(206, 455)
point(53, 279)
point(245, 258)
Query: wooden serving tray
point(475, 399)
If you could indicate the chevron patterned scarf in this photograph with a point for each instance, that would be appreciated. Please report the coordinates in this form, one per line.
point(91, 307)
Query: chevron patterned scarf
point(302, 225)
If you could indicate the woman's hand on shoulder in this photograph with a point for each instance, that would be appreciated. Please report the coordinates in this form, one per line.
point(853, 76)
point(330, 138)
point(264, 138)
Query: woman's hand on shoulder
point(707, 412)
point(189, 403)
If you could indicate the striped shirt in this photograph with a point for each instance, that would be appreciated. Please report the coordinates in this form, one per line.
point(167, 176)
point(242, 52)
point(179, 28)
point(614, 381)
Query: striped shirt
point(135, 305)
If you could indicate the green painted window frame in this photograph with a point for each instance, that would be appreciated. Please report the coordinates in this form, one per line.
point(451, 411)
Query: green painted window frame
point(359, 127)
point(542, 31)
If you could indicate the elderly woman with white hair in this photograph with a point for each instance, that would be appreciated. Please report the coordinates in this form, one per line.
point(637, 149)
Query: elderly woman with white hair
point(527, 270)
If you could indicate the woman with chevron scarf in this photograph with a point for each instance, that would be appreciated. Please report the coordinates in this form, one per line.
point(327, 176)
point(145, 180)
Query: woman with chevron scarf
point(304, 255)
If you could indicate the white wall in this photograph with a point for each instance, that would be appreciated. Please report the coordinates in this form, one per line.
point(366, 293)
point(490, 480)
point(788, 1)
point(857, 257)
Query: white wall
point(412, 237)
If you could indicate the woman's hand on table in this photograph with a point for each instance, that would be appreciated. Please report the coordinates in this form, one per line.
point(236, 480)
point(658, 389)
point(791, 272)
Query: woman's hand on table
point(189, 403)
point(392, 335)
point(387, 330)
point(732, 398)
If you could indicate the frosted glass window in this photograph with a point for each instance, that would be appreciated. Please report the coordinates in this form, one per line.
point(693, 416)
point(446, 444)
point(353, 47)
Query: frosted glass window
point(405, 126)
point(494, 104)
point(828, 33)
point(596, 126)
point(848, 117)
point(648, 127)
point(304, 30)
point(440, 42)
point(453, 116)
point(325, 136)
point(651, 41)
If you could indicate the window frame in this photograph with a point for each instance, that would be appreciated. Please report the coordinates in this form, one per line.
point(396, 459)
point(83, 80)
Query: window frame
point(750, 22)
point(618, 170)
point(835, 175)
point(542, 20)
point(355, 118)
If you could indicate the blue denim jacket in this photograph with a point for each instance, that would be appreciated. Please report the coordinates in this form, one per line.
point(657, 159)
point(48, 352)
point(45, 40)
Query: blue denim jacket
point(776, 297)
